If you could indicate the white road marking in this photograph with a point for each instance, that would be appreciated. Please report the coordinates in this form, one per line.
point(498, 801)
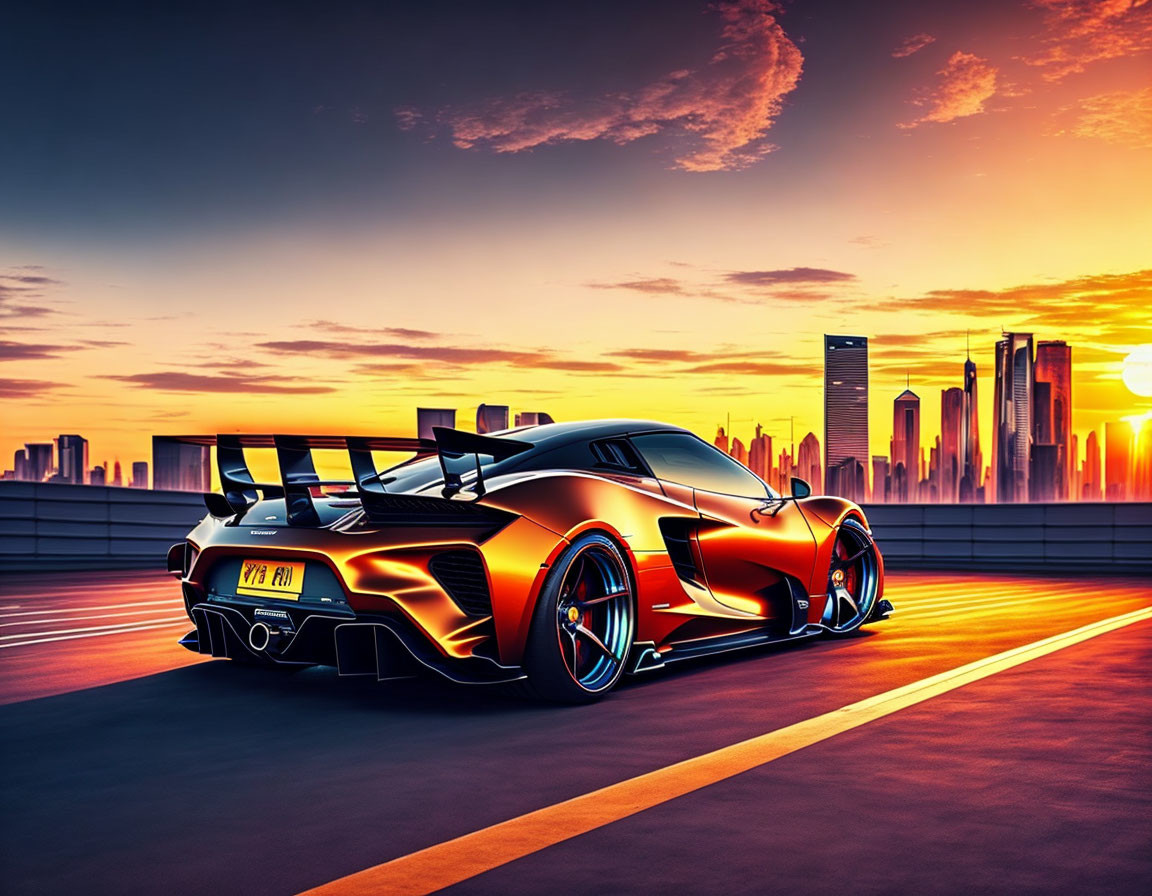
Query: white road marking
point(113, 629)
point(97, 634)
point(143, 603)
point(38, 620)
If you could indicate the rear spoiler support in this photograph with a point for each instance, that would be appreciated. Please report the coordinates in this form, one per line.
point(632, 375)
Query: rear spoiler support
point(298, 471)
point(298, 474)
point(455, 444)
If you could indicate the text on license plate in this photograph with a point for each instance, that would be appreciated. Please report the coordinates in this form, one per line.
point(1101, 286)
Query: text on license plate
point(271, 578)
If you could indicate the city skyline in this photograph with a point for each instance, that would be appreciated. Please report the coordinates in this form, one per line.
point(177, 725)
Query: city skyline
point(1035, 457)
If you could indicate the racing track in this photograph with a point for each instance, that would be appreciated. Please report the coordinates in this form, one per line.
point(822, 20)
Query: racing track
point(131, 765)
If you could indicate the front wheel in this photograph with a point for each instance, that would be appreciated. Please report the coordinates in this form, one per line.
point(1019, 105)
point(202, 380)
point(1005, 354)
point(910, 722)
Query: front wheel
point(853, 579)
point(583, 625)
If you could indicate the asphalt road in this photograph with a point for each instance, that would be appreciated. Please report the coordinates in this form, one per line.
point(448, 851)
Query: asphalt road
point(130, 765)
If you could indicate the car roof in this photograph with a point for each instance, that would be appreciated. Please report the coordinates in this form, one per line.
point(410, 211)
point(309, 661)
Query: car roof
point(553, 435)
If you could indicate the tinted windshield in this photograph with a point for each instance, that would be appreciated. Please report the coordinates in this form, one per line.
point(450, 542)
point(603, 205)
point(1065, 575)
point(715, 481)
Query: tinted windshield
point(683, 458)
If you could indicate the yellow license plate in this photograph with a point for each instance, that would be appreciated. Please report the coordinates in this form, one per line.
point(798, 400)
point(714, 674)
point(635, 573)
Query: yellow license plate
point(271, 578)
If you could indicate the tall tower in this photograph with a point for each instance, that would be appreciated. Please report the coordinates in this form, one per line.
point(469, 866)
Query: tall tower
point(72, 463)
point(905, 473)
point(1012, 424)
point(426, 418)
point(1117, 461)
point(808, 461)
point(971, 461)
point(1093, 481)
point(846, 416)
point(760, 454)
point(491, 418)
point(176, 465)
point(951, 443)
point(1054, 367)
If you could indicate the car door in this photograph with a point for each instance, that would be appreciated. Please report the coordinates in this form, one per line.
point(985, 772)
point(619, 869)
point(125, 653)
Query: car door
point(749, 538)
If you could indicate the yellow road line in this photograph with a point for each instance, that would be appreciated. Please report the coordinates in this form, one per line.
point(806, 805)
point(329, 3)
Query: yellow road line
point(456, 860)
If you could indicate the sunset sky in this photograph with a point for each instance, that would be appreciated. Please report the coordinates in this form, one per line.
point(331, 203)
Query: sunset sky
point(315, 217)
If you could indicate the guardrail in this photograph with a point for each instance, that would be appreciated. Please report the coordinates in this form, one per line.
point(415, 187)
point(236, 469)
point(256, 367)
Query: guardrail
point(1067, 538)
point(51, 526)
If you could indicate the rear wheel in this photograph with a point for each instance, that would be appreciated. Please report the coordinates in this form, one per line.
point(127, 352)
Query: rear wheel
point(583, 625)
point(853, 579)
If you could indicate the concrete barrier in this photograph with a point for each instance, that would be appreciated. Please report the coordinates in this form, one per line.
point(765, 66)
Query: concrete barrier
point(1067, 538)
point(52, 526)
point(47, 526)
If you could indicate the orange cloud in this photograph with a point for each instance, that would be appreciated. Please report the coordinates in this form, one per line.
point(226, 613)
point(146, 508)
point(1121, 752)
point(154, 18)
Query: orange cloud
point(724, 109)
point(962, 87)
point(1123, 117)
point(913, 44)
point(22, 389)
point(177, 381)
point(1080, 32)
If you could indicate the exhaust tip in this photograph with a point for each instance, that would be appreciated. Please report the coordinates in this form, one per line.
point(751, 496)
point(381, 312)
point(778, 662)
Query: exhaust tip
point(259, 636)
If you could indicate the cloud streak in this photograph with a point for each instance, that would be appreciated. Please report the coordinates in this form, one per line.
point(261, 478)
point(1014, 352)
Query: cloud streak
point(1080, 32)
point(799, 284)
point(723, 110)
point(962, 88)
point(913, 44)
point(411, 358)
point(31, 351)
point(178, 381)
point(1122, 117)
point(24, 389)
point(788, 276)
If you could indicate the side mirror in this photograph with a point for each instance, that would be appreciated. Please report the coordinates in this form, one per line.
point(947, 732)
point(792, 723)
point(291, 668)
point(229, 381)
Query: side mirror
point(800, 488)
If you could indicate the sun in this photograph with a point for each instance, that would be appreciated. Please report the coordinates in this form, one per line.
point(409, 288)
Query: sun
point(1137, 371)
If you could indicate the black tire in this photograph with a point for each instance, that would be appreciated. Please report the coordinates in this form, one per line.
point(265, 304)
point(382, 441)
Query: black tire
point(853, 580)
point(579, 658)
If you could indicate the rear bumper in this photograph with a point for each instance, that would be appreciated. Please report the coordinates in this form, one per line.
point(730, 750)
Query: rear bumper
point(387, 647)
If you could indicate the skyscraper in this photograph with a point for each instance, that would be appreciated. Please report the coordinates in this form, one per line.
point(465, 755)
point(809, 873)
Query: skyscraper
point(1012, 423)
point(760, 454)
point(177, 466)
point(1142, 460)
point(72, 459)
point(20, 464)
point(1075, 475)
point(1117, 461)
point(39, 464)
point(972, 461)
point(951, 443)
point(140, 474)
point(881, 479)
point(426, 418)
point(491, 418)
point(98, 476)
point(808, 462)
point(1092, 480)
point(739, 452)
point(905, 472)
point(1054, 367)
point(721, 440)
point(533, 418)
point(846, 415)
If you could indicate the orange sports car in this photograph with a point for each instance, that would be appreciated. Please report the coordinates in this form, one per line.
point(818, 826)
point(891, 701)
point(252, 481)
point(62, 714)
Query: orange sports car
point(562, 556)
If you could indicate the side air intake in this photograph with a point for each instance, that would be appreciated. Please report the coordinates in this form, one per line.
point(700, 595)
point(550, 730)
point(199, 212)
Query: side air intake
point(678, 540)
point(461, 575)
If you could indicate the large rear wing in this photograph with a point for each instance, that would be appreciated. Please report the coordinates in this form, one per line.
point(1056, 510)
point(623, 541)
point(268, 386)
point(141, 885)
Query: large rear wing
point(298, 476)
